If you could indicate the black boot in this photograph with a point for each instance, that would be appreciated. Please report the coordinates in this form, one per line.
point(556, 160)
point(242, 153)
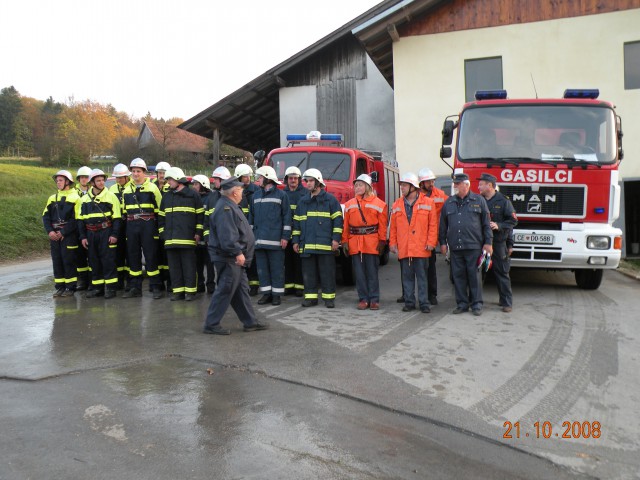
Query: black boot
point(266, 298)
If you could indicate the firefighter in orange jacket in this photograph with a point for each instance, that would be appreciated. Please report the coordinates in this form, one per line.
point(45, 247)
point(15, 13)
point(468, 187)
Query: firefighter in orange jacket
point(364, 237)
point(413, 236)
point(427, 186)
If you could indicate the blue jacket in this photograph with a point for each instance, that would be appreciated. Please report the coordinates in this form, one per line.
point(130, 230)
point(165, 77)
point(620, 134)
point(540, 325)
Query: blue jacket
point(316, 223)
point(464, 223)
point(270, 217)
point(230, 233)
point(294, 196)
point(502, 212)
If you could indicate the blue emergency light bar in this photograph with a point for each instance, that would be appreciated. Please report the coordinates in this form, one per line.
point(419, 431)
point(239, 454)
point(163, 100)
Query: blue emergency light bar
point(582, 93)
point(491, 94)
point(315, 136)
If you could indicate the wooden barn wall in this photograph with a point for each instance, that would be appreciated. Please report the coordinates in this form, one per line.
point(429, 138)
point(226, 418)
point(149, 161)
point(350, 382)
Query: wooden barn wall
point(342, 59)
point(458, 15)
point(336, 109)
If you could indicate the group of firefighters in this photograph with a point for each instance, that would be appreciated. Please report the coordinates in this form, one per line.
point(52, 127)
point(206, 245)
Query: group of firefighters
point(100, 236)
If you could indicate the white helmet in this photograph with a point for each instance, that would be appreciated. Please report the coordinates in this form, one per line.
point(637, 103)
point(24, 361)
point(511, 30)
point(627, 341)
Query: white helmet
point(314, 173)
point(293, 170)
point(202, 180)
point(269, 173)
point(410, 178)
point(364, 178)
point(425, 174)
point(138, 163)
point(222, 173)
point(63, 173)
point(83, 172)
point(121, 170)
point(162, 167)
point(242, 170)
point(176, 173)
point(96, 172)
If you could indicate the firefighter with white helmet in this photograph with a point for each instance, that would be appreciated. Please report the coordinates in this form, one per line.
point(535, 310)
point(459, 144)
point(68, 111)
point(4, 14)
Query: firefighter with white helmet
point(141, 202)
point(270, 219)
point(122, 176)
point(364, 237)
point(317, 232)
point(99, 225)
point(202, 185)
point(82, 179)
point(163, 186)
point(292, 266)
point(82, 186)
point(413, 236)
point(427, 180)
point(59, 219)
point(161, 170)
point(180, 226)
point(243, 173)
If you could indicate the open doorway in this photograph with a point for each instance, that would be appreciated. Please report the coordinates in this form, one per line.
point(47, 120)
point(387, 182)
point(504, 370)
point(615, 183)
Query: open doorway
point(632, 218)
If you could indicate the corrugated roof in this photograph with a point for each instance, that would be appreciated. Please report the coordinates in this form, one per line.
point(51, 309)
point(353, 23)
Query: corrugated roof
point(249, 118)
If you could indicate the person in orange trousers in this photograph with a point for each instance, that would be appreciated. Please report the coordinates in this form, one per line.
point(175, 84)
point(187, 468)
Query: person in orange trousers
point(364, 237)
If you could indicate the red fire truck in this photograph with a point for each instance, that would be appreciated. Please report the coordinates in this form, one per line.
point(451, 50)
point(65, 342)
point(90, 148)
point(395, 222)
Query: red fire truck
point(340, 166)
point(557, 160)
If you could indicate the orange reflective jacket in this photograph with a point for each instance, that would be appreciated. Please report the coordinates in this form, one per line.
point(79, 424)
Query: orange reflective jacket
point(438, 197)
point(412, 239)
point(358, 232)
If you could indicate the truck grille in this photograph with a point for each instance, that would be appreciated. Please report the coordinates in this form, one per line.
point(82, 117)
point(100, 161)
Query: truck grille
point(546, 201)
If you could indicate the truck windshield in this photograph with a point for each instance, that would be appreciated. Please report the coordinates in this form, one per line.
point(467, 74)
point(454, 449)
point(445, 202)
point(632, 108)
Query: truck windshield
point(332, 165)
point(538, 134)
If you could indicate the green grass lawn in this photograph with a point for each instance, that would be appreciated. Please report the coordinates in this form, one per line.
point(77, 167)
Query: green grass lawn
point(24, 190)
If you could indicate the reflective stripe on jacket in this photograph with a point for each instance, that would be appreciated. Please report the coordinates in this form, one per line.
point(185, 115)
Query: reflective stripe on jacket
point(412, 239)
point(140, 199)
point(317, 222)
point(375, 212)
point(98, 209)
point(180, 218)
point(270, 218)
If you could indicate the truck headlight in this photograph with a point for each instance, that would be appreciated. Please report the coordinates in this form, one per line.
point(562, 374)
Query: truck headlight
point(598, 243)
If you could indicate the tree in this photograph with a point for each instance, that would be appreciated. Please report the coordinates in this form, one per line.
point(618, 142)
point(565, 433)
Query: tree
point(10, 107)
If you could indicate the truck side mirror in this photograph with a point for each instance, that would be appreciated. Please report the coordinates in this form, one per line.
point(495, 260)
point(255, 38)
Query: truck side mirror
point(259, 156)
point(374, 177)
point(445, 152)
point(447, 132)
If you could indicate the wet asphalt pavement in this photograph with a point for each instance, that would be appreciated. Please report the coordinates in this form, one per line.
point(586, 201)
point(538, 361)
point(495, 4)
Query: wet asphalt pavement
point(94, 388)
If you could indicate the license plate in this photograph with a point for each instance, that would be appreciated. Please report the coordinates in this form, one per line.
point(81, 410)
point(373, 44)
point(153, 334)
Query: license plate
point(534, 238)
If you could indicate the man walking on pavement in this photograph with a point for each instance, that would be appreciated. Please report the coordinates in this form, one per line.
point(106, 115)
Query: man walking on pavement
point(99, 227)
point(465, 232)
point(180, 227)
point(141, 202)
point(231, 245)
point(503, 219)
point(428, 189)
point(270, 218)
point(317, 231)
point(412, 235)
point(292, 266)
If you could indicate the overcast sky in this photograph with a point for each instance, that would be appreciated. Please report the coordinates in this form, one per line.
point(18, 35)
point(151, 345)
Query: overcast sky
point(170, 58)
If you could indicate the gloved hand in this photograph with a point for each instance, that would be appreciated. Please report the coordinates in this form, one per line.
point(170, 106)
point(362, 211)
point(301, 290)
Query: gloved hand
point(345, 248)
point(381, 245)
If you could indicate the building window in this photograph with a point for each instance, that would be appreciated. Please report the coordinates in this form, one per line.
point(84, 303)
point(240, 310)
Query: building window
point(631, 65)
point(482, 74)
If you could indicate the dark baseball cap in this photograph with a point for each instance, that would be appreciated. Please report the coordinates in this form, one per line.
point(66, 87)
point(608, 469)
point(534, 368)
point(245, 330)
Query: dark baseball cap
point(460, 177)
point(487, 177)
point(230, 183)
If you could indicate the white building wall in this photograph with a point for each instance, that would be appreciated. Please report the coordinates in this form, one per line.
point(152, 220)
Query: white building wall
point(579, 52)
point(297, 111)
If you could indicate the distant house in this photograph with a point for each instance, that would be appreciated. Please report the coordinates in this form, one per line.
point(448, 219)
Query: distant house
point(159, 141)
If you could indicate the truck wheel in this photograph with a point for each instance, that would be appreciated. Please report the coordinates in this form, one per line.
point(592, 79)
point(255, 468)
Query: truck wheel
point(589, 279)
point(384, 258)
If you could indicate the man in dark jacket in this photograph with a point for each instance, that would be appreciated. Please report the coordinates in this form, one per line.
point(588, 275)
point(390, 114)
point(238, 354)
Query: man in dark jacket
point(292, 266)
point(180, 227)
point(231, 246)
point(465, 232)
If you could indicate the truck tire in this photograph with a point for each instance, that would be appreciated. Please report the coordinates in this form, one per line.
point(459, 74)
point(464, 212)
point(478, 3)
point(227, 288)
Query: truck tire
point(589, 279)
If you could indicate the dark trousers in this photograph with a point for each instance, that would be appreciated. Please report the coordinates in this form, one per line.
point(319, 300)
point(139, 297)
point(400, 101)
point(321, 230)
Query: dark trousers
point(365, 266)
point(64, 256)
point(232, 289)
point(270, 271)
point(121, 255)
point(163, 264)
point(182, 268)
point(102, 260)
point(82, 265)
point(292, 269)
point(466, 278)
point(252, 274)
point(432, 276)
point(203, 263)
point(142, 238)
point(414, 270)
point(501, 266)
point(323, 266)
